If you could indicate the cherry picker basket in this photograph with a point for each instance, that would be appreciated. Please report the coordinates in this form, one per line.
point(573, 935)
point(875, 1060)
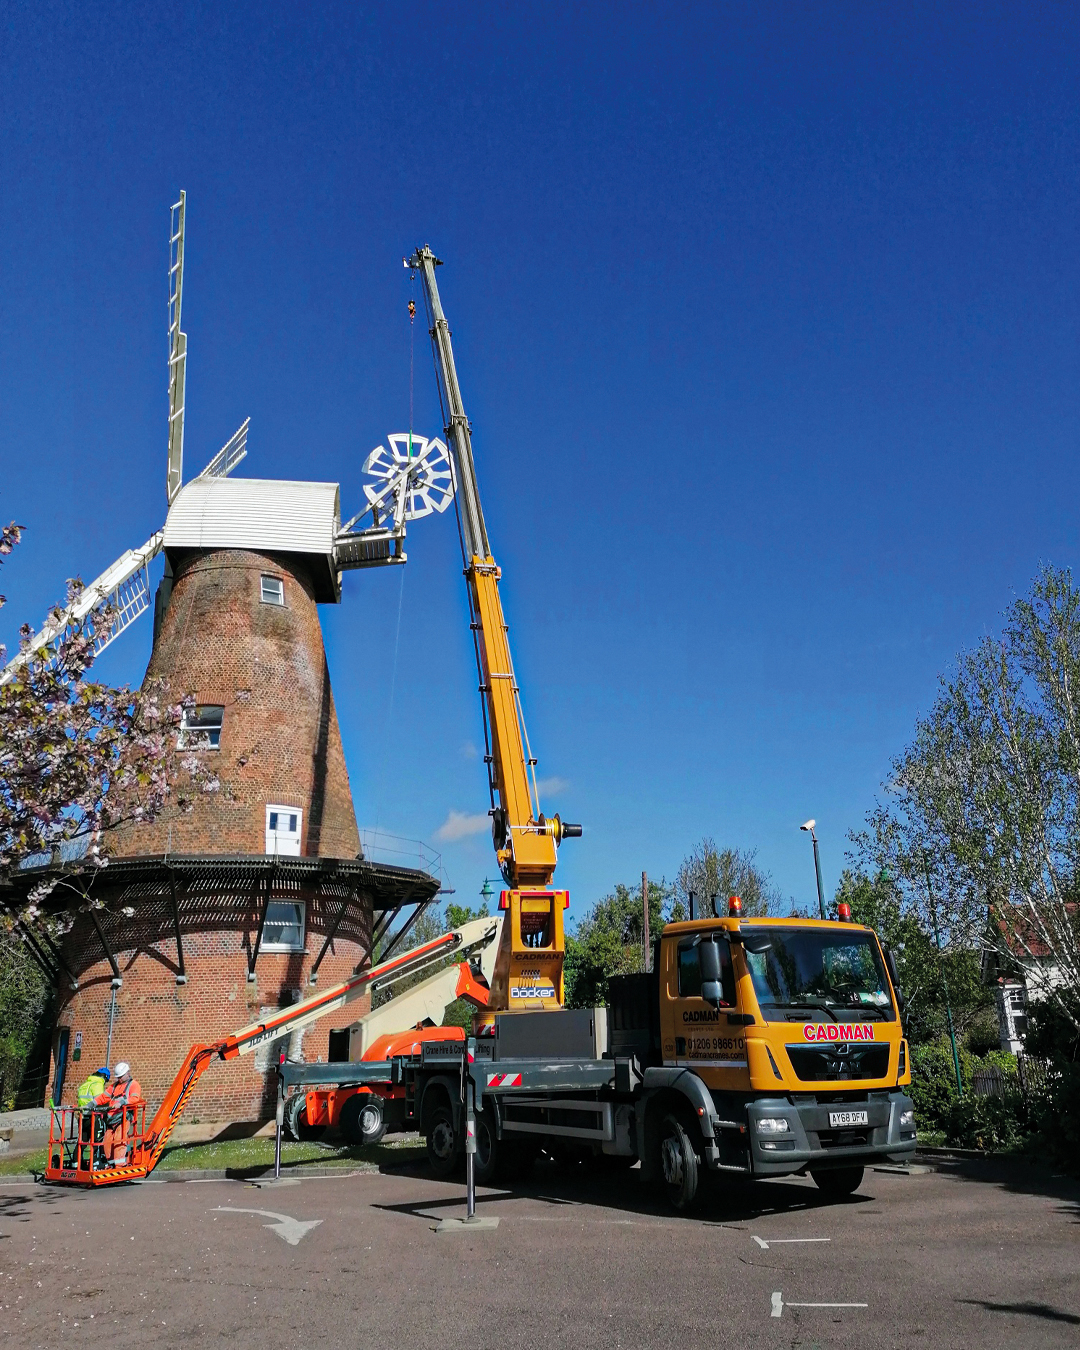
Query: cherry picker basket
point(86, 1150)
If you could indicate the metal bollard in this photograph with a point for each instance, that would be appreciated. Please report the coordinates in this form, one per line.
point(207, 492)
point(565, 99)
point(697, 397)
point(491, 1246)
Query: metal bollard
point(280, 1118)
point(470, 1131)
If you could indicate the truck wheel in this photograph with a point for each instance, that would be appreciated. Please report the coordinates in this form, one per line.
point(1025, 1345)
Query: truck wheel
point(679, 1165)
point(295, 1121)
point(838, 1181)
point(362, 1120)
point(441, 1144)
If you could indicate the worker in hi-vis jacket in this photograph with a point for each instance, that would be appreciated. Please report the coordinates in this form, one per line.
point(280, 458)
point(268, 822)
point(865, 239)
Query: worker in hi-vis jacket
point(122, 1094)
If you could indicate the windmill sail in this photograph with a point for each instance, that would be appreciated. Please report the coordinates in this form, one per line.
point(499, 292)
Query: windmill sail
point(177, 350)
point(125, 586)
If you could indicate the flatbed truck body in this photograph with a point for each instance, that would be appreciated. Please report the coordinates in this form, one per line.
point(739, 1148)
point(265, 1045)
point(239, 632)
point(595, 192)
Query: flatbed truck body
point(756, 1048)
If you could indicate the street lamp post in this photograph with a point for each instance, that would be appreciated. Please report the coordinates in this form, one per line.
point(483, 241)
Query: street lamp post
point(809, 827)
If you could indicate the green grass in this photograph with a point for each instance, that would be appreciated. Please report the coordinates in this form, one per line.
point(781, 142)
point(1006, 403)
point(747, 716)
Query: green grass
point(25, 1162)
point(931, 1138)
point(243, 1154)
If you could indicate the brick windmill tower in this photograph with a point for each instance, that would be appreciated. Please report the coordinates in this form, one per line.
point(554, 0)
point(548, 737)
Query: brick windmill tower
point(262, 889)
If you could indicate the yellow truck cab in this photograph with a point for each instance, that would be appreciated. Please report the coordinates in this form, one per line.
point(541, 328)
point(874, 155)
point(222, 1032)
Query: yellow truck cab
point(775, 1046)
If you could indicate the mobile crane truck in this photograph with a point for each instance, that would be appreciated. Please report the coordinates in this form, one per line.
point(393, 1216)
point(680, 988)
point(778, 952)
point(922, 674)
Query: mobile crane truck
point(528, 963)
point(755, 1047)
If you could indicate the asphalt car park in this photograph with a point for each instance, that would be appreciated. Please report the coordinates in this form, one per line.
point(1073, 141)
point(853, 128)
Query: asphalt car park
point(966, 1256)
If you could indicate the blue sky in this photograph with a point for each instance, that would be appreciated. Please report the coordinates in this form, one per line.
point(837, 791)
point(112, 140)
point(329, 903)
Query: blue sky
point(766, 321)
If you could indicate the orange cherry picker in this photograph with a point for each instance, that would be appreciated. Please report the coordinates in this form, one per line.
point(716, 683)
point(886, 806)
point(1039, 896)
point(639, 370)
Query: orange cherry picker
point(75, 1149)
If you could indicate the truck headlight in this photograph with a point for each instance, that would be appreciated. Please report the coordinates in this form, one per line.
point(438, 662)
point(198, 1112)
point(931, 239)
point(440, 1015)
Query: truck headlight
point(771, 1125)
point(907, 1118)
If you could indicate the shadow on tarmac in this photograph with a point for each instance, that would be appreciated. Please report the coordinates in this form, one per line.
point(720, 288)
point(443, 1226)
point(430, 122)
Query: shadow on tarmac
point(727, 1202)
point(1018, 1176)
point(1042, 1310)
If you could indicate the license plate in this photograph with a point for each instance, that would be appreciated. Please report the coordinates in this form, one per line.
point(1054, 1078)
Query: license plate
point(838, 1119)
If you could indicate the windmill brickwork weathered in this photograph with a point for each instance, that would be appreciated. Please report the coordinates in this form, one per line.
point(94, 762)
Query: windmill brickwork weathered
point(265, 875)
point(261, 663)
point(202, 922)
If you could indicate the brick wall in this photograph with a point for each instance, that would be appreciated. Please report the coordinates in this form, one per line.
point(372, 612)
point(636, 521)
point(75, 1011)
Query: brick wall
point(157, 1019)
point(280, 743)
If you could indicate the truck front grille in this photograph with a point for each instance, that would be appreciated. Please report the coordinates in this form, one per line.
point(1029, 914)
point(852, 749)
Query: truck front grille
point(833, 1063)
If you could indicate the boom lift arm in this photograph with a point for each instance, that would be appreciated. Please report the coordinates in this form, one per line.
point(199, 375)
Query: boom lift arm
point(459, 942)
point(526, 842)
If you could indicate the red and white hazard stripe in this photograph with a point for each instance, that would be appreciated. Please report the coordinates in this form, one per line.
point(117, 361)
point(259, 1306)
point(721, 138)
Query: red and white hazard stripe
point(504, 1080)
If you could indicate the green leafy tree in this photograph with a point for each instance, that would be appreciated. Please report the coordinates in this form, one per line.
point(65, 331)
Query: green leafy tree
point(980, 818)
point(925, 974)
point(25, 997)
point(459, 915)
point(715, 874)
point(608, 940)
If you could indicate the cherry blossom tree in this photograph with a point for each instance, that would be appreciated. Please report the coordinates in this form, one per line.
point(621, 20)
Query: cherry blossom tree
point(78, 757)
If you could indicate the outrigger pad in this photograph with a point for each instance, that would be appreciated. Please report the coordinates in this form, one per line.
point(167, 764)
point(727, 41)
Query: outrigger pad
point(465, 1225)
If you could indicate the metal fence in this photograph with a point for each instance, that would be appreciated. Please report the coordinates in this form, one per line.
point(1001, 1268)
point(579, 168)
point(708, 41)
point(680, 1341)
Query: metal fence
point(1031, 1078)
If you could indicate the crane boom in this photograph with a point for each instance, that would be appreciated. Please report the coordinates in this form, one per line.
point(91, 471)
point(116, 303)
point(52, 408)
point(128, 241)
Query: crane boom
point(526, 843)
point(458, 941)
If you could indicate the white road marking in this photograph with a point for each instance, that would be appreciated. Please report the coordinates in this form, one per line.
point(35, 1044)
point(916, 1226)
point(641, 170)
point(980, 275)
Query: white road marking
point(772, 1242)
point(292, 1230)
point(778, 1304)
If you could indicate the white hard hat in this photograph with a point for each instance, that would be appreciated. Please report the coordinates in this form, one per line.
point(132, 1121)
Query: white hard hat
point(122, 1068)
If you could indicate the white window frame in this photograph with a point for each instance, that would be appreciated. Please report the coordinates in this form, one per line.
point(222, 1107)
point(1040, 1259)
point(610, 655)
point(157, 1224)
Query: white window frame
point(298, 946)
point(273, 809)
point(195, 728)
point(273, 599)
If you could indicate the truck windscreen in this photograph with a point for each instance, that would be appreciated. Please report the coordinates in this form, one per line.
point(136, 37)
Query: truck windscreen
point(800, 973)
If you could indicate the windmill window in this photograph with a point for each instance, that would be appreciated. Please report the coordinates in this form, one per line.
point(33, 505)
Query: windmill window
point(200, 728)
point(272, 590)
point(283, 829)
point(284, 927)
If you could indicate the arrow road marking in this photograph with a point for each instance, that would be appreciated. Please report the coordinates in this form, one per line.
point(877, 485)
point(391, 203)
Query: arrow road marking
point(778, 1304)
point(292, 1230)
point(772, 1242)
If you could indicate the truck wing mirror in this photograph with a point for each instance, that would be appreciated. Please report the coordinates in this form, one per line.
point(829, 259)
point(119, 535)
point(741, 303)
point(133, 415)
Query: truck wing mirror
point(709, 963)
point(890, 962)
point(754, 942)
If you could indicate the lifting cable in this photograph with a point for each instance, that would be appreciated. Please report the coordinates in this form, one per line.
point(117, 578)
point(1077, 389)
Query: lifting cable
point(401, 584)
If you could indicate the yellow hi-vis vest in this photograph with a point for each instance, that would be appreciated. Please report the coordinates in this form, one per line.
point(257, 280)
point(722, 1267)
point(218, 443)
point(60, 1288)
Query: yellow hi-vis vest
point(93, 1087)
